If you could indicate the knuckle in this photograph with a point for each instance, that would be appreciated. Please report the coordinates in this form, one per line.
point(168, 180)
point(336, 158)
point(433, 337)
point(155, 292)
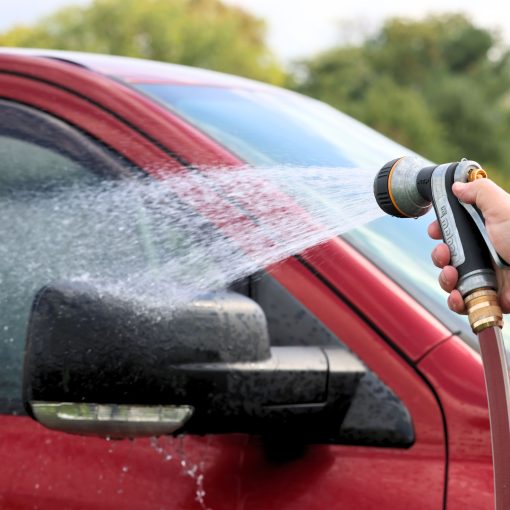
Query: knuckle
point(435, 258)
point(504, 299)
point(443, 282)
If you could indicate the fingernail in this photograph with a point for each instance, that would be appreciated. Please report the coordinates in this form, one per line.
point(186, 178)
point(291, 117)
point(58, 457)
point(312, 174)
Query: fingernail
point(445, 279)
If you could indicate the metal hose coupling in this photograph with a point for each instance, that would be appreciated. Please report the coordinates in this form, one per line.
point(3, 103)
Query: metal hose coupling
point(483, 309)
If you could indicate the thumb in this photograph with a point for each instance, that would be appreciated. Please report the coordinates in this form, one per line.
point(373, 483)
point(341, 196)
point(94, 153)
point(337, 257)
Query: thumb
point(481, 192)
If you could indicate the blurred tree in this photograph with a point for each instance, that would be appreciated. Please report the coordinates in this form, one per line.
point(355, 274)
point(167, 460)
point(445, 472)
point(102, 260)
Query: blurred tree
point(203, 33)
point(440, 86)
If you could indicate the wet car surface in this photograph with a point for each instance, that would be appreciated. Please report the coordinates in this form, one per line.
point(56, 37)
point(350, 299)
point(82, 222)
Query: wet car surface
point(416, 434)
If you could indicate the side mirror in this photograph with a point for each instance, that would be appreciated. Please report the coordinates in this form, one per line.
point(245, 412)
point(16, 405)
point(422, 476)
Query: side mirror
point(110, 366)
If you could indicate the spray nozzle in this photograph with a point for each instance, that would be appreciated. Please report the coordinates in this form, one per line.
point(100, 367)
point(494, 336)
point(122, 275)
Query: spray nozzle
point(396, 189)
point(409, 186)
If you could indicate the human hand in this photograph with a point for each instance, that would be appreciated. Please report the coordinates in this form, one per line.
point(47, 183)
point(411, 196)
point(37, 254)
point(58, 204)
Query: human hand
point(494, 203)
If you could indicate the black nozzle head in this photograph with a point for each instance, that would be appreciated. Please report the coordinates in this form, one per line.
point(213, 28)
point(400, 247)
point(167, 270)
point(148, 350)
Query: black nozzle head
point(382, 190)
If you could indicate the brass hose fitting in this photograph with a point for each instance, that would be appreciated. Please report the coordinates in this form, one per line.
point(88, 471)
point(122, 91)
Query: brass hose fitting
point(476, 173)
point(483, 309)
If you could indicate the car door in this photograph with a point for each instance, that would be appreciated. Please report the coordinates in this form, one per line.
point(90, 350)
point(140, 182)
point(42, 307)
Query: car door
point(377, 462)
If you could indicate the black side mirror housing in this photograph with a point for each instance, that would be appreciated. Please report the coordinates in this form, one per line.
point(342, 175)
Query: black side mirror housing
point(108, 365)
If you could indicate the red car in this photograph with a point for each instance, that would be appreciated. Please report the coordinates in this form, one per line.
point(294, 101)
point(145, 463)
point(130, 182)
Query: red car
point(416, 432)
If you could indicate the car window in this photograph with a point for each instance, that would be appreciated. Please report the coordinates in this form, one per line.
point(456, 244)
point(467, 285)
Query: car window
point(45, 167)
point(269, 126)
point(202, 105)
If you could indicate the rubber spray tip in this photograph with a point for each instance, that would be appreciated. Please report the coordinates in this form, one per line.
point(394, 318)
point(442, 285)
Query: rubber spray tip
point(396, 190)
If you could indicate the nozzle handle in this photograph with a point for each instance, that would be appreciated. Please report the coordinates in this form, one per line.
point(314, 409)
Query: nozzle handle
point(468, 250)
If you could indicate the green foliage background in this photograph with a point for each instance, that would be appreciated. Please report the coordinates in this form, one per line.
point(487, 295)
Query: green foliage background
point(201, 33)
point(440, 86)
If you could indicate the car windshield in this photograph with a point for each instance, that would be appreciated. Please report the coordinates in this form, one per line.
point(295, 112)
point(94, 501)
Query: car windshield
point(267, 126)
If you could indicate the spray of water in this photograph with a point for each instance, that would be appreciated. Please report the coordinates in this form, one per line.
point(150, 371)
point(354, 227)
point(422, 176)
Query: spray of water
point(193, 231)
point(173, 450)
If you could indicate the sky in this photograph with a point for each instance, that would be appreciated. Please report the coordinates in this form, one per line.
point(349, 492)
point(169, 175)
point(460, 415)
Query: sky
point(299, 28)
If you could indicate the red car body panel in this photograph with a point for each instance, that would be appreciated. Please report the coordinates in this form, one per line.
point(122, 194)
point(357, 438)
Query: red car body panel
point(368, 290)
point(408, 350)
point(454, 370)
point(84, 88)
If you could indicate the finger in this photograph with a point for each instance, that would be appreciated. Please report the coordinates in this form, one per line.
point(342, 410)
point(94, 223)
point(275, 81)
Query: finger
point(503, 276)
point(441, 255)
point(456, 303)
point(482, 192)
point(448, 278)
point(504, 300)
point(434, 231)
